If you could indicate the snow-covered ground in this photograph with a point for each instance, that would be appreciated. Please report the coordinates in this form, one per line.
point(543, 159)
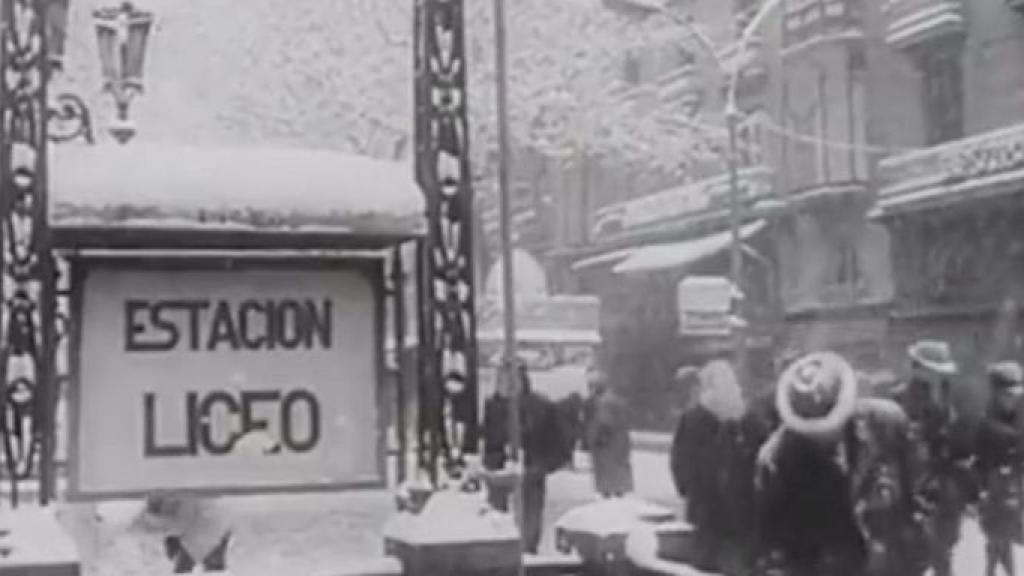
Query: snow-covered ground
point(313, 534)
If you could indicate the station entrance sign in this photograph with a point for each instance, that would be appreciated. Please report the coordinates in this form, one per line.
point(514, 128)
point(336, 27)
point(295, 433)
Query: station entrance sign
point(180, 368)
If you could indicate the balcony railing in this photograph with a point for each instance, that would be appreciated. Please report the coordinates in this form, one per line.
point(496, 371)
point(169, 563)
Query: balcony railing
point(811, 21)
point(681, 203)
point(941, 170)
point(913, 22)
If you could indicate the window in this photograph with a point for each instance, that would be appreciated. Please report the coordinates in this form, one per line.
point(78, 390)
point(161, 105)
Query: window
point(847, 271)
point(942, 89)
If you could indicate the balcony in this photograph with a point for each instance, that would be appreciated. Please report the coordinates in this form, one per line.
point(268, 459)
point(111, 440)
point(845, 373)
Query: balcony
point(680, 205)
point(915, 22)
point(983, 165)
point(809, 22)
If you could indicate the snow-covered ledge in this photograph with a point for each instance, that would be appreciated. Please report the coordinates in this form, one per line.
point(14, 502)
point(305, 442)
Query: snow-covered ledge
point(159, 187)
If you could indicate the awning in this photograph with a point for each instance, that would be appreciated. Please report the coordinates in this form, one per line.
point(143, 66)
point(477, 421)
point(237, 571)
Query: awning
point(610, 257)
point(678, 254)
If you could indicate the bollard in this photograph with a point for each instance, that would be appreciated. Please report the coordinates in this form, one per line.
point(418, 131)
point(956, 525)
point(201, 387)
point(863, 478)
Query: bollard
point(665, 549)
point(597, 532)
point(196, 531)
point(33, 543)
point(455, 534)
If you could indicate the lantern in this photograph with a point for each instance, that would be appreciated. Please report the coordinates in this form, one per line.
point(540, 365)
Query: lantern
point(121, 34)
point(56, 32)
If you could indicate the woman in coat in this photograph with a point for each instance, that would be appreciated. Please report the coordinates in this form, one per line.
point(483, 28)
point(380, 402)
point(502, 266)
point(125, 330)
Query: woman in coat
point(608, 439)
point(713, 460)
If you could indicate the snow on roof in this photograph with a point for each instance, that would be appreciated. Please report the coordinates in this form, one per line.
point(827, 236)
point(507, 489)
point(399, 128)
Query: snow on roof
point(151, 186)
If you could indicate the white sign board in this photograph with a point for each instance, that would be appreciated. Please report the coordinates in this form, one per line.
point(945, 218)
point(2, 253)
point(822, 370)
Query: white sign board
point(705, 305)
point(176, 366)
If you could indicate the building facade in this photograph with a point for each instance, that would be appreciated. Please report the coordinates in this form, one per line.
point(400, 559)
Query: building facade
point(630, 234)
point(834, 268)
point(953, 199)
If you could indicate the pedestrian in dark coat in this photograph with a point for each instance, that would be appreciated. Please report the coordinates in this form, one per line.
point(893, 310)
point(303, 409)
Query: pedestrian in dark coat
point(999, 451)
point(940, 454)
point(571, 418)
point(609, 439)
point(541, 443)
point(880, 484)
point(809, 526)
point(712, 462)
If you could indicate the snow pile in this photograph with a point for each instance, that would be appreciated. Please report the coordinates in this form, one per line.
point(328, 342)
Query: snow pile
point(452, 517)
point(31, 534)
point(612, 516)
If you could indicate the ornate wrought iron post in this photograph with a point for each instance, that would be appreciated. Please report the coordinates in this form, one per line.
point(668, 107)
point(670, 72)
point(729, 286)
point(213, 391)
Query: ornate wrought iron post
point(443, 172)
point(27, 316)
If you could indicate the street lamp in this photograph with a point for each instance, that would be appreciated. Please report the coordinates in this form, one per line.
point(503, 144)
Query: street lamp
point(122, 33)
point(733, 117)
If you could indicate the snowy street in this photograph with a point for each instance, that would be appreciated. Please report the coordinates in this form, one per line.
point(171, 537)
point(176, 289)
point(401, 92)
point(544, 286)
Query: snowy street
point(303, 534)
point(313, 534)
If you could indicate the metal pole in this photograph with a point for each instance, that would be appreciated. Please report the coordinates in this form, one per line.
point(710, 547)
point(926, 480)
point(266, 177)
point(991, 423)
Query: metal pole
point(736, 247)
point(398, 286)
point(508, 275)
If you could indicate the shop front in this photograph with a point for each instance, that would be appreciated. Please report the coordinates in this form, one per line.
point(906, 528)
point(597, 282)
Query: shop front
point(644, 252)
point(956, 213)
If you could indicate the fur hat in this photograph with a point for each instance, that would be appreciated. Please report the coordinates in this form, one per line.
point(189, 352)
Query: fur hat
point(817, 394)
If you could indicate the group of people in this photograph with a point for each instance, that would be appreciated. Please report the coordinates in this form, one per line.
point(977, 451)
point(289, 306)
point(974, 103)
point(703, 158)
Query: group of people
point(551, 433)
point(836, 475)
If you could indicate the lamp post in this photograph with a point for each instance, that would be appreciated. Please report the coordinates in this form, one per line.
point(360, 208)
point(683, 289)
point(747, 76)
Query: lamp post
point(510, 363)
point(733, 117)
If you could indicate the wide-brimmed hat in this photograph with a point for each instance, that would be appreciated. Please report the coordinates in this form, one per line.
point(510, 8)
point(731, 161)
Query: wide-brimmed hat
point(1007, 376)
point(934, 355)
point(817, 394)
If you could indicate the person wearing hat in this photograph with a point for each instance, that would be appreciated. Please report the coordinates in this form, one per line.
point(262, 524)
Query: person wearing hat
point(609, 438)
point(806, 511)
point(999, 463)
point(940, 454)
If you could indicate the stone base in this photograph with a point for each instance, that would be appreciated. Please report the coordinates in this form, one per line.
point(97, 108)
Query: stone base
point(33, 543)
point(462, 558)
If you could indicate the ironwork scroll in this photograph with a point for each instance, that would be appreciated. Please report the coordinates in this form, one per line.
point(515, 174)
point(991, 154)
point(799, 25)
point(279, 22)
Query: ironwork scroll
point(26, 317)
point(443, 172)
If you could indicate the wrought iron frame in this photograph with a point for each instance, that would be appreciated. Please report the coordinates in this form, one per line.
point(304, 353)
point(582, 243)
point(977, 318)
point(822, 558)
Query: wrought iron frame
point(33, 314)
point(449, 396)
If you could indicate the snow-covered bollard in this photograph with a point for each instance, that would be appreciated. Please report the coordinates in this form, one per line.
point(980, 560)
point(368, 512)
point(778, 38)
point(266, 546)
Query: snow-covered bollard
point(196, 531)
point(663, 548)
point(32, 542)
point(597, 532)
point(454, 533)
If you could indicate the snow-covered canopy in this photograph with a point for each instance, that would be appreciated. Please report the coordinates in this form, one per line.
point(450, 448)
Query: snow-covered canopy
point(148, 187)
